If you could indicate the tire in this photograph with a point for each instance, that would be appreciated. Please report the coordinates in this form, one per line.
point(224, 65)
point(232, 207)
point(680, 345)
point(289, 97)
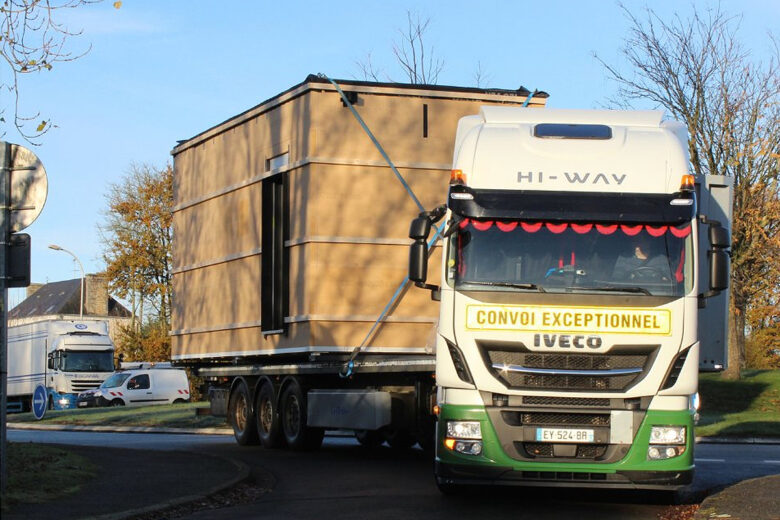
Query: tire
point(298, 435)
point(241, 415)
point(269, 427)
point(399, 439)
point(179, 401)
point(369, 438)
point(117, 402)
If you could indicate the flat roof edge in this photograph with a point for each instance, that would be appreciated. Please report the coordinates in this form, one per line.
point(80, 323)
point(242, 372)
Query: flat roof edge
point(315, 82)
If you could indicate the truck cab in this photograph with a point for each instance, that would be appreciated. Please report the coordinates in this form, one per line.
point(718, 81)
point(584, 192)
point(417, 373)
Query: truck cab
point(568, 345)
point(81, 357)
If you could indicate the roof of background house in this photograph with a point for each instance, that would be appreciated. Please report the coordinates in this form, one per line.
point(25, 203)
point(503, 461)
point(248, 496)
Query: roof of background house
point(60, 298)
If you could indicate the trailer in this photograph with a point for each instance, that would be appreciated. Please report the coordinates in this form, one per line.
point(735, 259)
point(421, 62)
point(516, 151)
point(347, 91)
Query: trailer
point(291, 295)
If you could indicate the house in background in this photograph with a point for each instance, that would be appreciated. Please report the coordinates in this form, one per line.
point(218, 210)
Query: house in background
point(60, 301)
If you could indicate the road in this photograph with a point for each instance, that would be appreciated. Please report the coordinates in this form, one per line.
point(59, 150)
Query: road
point(347, 481)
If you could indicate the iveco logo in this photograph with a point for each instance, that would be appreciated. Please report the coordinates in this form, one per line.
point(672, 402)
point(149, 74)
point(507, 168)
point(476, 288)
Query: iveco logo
point(566, 341)
point(572, 178)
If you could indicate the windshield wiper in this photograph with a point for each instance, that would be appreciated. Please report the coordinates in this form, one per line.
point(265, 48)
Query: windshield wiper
point(513, 285)
point(611, 288)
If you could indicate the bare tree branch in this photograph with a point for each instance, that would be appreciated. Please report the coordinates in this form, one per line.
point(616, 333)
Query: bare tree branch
point(697, 70)
point(31, 41)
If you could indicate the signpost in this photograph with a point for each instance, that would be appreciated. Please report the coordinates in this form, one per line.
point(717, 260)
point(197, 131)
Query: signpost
point(23, 189)
point(39, 402)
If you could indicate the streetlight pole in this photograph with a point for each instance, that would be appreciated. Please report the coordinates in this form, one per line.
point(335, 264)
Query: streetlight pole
point(81, 299)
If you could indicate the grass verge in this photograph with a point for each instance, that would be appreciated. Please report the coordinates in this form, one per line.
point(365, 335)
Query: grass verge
point(38, 473)
point(748, 407)
point(161, 416)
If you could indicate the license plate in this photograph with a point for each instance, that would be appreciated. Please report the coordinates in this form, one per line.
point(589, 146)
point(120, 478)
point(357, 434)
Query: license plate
point(563, 435)
point(83, 404)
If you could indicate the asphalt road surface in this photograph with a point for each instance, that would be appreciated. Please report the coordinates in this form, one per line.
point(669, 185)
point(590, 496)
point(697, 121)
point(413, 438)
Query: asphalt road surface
point(344, 480)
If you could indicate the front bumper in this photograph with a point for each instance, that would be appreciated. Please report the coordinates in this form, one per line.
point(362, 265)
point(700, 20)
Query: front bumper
point(498, 475)
point(498, 464)
point(92, 402)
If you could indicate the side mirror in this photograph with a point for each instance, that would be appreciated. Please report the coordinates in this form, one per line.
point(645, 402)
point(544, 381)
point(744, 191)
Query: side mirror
point(719, 237)
point(50, 362)
point(719, 268)
point(418, 260)
point(420, 228)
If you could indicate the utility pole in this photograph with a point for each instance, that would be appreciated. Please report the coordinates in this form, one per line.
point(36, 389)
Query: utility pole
point(5, 195)
point(23, 188)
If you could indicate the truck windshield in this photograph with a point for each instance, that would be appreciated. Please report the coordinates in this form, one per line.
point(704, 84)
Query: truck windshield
point(642, 259)
point(115, 380)
point(87, 361)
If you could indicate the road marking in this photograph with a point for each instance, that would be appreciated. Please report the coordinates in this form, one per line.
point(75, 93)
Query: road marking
point(710, 460)
point(772, 462)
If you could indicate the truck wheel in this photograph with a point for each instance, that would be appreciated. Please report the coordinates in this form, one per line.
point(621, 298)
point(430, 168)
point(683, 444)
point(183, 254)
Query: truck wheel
point(117, 402)
point(241, 417)
point(269, 427)
point(399, 439)
point(293, 414)
point(369, 438)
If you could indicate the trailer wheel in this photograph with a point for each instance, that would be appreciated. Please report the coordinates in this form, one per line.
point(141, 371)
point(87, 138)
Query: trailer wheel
point(241, 417)
point(369, 438)
point(293, 413)
point(399, 438)
point(269, 428)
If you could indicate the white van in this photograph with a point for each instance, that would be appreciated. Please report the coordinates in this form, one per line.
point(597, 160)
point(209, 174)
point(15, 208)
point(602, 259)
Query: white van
point(139, 388)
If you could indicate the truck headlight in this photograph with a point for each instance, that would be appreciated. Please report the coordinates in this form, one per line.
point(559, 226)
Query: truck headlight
point(664, 452)
point(63, 402)
point(464, 430)
point(667, 435)
point(464, 437)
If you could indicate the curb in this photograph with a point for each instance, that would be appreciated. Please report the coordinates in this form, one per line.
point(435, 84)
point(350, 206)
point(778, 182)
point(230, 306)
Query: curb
point(118, 429)
point(738, 440)
point(243, 475)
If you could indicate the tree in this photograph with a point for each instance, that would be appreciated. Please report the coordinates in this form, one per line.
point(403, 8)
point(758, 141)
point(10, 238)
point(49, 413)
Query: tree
point(137, 239)
point(418, 63)
point(32, 40)
point(697, 70)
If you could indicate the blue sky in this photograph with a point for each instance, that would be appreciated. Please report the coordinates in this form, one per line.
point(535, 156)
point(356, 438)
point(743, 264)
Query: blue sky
point(159, 71)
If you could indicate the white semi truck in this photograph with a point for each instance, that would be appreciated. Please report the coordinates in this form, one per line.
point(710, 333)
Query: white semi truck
point(584, 285)
point(67, 356)
point(555, 350)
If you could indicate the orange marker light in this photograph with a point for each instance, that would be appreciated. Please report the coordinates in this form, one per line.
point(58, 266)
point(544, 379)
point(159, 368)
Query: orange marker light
point(457, 177)
point(449, 443)
point(436, 410)
point(687, 183)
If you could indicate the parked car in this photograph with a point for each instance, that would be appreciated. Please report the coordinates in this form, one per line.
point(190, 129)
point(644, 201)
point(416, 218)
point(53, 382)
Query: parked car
point(139, 388)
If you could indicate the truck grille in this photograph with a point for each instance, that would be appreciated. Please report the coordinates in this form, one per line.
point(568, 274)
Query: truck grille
point(544, 450)
point(555, 419)
point(80, 385)
point(577, 402)
point(614, 371)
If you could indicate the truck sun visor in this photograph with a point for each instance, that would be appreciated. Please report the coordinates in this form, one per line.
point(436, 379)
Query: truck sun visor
point(555, 206)
point(681, 231)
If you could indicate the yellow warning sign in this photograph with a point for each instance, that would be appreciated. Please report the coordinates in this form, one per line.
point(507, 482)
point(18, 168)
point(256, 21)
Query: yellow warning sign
point(600, 320)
